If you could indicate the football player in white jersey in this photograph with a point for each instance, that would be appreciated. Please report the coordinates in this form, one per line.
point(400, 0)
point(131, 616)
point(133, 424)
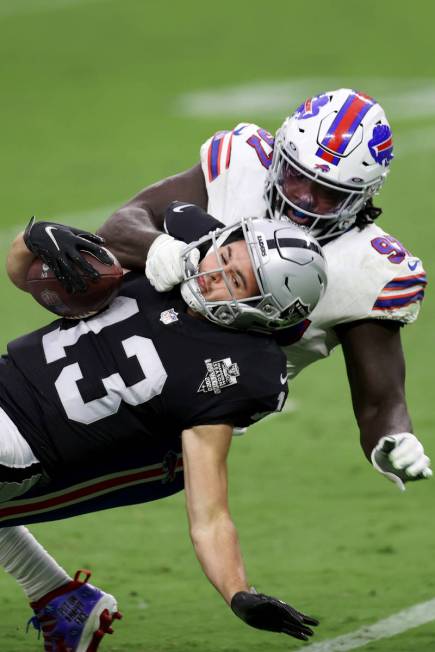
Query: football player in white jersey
point(321, 171)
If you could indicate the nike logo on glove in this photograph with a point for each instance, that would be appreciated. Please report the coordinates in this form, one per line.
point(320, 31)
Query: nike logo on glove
point(48, 230)
point(283, 379)
point(179, 209)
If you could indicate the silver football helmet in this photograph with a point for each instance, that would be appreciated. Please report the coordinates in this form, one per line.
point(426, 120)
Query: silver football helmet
point(289, 268)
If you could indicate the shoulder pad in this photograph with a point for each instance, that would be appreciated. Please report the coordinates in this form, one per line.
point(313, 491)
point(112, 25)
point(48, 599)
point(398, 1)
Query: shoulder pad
point(400, 297)
point(246, 140)
point(235, 164)
point(370, 275)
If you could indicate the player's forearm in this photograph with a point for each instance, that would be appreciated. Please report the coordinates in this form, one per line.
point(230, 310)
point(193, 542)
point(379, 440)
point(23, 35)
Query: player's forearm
point(379, 419)
point(218, 551)
point(18, 262)
point(129, 233)
point(376, 371)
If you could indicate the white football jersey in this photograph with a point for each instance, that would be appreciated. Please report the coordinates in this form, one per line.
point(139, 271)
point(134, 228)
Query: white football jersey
point(370, 273)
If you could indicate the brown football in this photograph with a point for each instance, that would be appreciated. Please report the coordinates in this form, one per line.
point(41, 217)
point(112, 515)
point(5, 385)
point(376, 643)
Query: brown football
point(50, 293)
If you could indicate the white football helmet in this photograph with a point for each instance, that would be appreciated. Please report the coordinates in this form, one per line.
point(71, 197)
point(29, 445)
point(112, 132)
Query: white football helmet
point(289, 268)
point(341, 140)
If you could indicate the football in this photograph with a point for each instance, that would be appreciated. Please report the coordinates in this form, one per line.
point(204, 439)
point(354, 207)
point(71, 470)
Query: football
point(50, 293)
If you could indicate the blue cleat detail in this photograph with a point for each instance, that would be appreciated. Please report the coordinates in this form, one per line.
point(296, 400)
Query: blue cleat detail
point(74, 617)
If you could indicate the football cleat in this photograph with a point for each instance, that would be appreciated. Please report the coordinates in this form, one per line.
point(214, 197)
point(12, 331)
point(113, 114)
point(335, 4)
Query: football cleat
point(74, 617)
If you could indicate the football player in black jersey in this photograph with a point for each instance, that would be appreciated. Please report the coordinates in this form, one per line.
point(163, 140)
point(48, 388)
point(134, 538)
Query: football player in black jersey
point(134, 403)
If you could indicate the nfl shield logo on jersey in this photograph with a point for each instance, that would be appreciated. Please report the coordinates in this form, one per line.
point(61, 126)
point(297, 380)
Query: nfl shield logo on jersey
point(220, 373)
point(169, 316)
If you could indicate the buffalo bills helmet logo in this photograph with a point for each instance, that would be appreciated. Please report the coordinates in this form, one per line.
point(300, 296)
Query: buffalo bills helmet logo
point(311, 107)
point(381, 145)
point(322, 167)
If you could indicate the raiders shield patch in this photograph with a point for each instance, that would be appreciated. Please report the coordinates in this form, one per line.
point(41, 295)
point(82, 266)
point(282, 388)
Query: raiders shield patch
point(220, 374)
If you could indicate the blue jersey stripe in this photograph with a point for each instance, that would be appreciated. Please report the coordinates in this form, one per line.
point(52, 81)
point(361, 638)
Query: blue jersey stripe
point(399, 302)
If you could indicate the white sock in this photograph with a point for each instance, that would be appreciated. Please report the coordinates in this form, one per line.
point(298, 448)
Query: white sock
point(26, 560)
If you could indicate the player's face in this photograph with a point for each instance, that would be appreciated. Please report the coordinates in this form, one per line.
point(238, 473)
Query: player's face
point(236, 265)
point(308, 195)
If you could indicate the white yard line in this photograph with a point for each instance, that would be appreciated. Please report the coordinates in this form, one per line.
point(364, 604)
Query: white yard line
point(402, 100)
point(416, 141)
point(415, 616)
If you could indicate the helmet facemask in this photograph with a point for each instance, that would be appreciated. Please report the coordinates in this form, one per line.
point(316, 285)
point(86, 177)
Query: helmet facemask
point(353, 176)
point(231, 312)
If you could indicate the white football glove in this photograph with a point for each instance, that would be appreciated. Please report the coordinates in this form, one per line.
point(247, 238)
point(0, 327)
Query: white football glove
point(164, 266)
point(401, 458)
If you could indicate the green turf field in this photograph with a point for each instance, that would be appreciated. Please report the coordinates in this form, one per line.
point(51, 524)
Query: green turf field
point(100, 98)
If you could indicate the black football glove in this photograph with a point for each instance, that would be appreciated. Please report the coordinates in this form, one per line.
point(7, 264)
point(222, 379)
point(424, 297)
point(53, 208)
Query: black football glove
point(264, 612)
point(59, 246)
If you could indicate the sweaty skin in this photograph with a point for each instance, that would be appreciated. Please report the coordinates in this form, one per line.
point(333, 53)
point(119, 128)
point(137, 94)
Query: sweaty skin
point(131, 230)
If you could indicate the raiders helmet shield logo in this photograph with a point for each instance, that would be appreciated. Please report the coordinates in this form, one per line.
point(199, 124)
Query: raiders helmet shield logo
point(220, 374)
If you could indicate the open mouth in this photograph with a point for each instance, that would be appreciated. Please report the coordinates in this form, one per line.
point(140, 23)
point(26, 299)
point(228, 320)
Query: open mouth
point(299, 218)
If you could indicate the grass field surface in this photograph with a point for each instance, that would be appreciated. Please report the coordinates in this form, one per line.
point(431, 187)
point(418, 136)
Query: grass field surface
point(99, 99)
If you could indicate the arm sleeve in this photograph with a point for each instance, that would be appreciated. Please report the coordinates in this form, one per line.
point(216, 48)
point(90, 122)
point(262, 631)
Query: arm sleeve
point(235, 165)
point(189, 224)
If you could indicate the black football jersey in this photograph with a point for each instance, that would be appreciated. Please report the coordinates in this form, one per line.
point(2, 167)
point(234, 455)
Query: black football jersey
point(140, 371)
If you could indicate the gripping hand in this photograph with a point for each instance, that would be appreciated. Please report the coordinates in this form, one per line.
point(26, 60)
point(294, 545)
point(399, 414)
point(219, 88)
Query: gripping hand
point(165, 267)
point(264, 612)
point(401, 458)
point(60, 248)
